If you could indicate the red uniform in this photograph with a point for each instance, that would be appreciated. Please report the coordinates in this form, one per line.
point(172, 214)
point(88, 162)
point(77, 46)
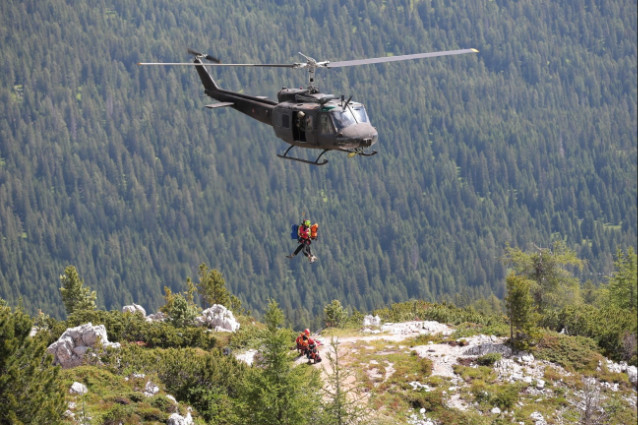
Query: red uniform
point(312, 353)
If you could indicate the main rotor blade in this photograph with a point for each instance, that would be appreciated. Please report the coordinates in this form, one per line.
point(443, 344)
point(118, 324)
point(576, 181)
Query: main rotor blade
point(355, 62)
point(266, 65)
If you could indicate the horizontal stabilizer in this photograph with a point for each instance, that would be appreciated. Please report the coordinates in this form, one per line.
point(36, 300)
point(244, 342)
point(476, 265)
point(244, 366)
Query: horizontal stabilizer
point(219, 105)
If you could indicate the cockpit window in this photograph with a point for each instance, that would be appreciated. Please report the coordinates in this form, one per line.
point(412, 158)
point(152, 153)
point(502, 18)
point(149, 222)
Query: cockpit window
point(360, 113)
point(342, 119)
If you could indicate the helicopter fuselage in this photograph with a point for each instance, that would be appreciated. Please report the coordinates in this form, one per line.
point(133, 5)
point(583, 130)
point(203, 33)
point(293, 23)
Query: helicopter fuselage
point(320, 121)
point(302, 117)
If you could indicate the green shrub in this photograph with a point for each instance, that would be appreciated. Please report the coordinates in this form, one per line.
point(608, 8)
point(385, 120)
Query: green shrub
point(136, 397)
point(152, 414)
point(430, 400)
point(119, 414)
point(425, 366)
point(470, 374)
point(163, 403)
point(571, 352)
point(489, 359)
point(506, 395)
point(246, 337)
point(480, 391)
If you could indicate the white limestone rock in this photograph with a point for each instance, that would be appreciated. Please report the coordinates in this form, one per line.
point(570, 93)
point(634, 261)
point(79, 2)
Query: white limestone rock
point(177, 419)
point(219, 318)
point(69, 350)
point(157, 317)
point(78, 388)
point(632, 374)
point(371, 321)
point(134, 308)
point(151, 389)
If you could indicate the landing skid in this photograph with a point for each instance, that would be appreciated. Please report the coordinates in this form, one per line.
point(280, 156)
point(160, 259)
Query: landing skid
point(315, 162)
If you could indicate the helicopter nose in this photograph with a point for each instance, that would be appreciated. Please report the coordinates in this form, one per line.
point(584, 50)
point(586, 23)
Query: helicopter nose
point(360, 134)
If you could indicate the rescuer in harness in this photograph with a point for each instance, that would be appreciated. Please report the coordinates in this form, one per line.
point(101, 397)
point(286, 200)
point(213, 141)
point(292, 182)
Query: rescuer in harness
point(305, 234)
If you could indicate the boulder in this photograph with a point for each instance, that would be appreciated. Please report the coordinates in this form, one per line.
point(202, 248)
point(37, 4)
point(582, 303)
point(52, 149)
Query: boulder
point(69, 350)
point(151, 389)
point(134, 308)
point(632, 374)
point(538, 418)
point(218, 318)
point(371, 321)
point(78, 388)
point(177, 419)
point(157, 317)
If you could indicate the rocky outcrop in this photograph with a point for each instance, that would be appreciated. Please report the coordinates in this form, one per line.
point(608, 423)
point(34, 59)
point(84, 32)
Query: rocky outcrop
point(481, 345)
point(78, 388)
point(218, 318)
point(69, 350)
point(371, 321)
point(177, 419)
point(134, 308)
point(621, 367)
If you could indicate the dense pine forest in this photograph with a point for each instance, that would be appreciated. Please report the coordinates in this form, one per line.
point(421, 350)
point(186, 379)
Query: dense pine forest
point(120, 171)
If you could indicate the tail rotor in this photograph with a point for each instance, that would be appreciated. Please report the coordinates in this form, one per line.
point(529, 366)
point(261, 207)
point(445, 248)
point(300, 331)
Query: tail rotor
point(204, 56)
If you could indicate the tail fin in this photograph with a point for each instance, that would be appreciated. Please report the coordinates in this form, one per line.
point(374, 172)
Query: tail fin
point(210, 85)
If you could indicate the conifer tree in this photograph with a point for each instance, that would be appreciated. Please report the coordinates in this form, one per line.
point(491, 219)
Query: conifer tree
point(74, 295)
point(334, 314)
point(520, 310)
point(30, 387)
point(342, 406)
point(180, 308)
point(278, 392)
point(623, 283)
point(212, 287)
point(548, 268)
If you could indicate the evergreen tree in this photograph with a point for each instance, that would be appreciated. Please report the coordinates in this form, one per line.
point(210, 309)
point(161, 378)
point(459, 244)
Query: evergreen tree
point(520, 310)
point(74, 295)
point(212, 287)
point(180, 308)
point(624, 281)
point(334, 314)
point(278, 392)
point(343, 405)
point(555, 286)
point(30, 387)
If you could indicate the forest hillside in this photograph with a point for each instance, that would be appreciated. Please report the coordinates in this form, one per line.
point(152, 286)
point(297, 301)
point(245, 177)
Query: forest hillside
point(120, 171)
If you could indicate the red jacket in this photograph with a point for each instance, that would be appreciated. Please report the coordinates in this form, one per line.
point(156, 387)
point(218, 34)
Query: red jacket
point(303, 232)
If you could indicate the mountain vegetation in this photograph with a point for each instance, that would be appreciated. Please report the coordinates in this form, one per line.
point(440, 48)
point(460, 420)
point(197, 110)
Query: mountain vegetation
point(119, 171)
point(163, 368)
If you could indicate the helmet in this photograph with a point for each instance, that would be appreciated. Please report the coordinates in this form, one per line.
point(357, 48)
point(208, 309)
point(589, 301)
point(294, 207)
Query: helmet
point(306, 223)
point(307, 331)
point(301, 114)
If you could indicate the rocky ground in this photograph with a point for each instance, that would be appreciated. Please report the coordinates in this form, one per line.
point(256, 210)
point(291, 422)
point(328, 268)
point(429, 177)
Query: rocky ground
point(511, 368)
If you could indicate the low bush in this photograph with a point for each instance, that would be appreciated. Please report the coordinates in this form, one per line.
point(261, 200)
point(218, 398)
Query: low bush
point(489, 359)
point(571, 352)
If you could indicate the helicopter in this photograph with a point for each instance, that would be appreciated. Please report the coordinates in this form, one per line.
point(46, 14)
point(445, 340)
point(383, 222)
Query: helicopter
point(304, 117)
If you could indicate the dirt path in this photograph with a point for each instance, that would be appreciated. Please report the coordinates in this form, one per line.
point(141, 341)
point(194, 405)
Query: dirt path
point(443, 356)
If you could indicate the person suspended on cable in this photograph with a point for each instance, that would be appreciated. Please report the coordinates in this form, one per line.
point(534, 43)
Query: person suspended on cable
point(306, 233)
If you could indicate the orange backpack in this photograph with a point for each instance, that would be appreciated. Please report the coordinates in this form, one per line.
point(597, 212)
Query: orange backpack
point(313, 231)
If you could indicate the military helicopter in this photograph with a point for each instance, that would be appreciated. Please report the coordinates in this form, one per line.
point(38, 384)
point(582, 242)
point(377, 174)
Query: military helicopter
point(305, 118)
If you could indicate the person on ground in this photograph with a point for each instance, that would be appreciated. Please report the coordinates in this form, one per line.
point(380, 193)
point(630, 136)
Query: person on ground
point(302, 342)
